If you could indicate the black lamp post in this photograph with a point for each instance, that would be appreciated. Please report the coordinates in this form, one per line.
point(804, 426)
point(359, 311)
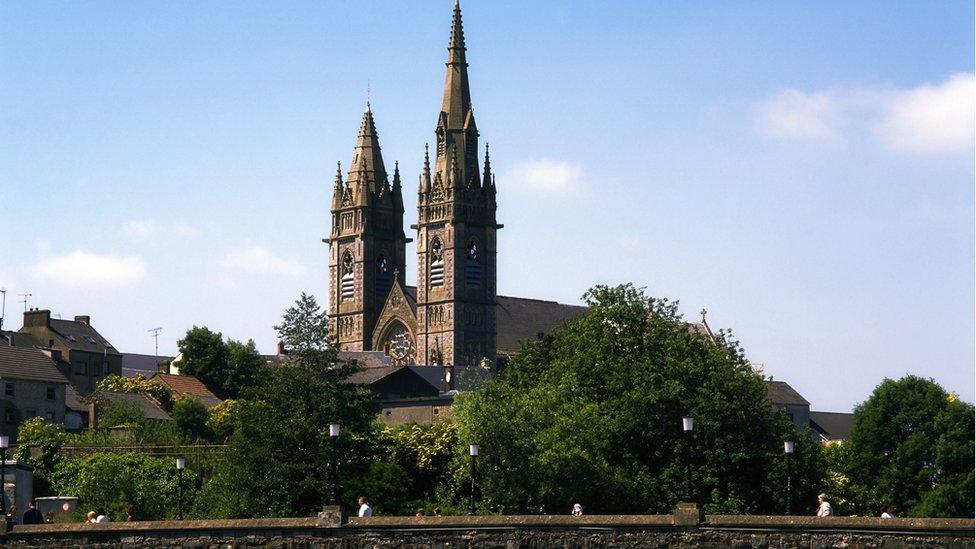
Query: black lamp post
point(4, 444)
point(334, 435)
point(788, 450)
point(473, 450)
point(180, 465)
point(687, 424)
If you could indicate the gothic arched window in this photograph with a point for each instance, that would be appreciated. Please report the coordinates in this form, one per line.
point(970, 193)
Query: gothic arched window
point(384, 276)
point(472, 264)
point(437, 263)
point(347, 282)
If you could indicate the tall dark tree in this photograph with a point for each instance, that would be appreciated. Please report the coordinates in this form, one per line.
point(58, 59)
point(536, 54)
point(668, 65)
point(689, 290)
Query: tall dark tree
point(280, 450)
point(594, 412)
point(911, 446)
point(243, 364)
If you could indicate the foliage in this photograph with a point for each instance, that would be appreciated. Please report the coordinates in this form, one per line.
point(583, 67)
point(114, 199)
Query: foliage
point(911, 446)
point(139, 384)
point(190, 417)
point(204, 356)
point(220, 419)
point(423, 451)
point(48, 439)
point(602, 400)
point(243, 364)
point(112, 481)
point(387, 487)
point(122, 414)
point(280, 450)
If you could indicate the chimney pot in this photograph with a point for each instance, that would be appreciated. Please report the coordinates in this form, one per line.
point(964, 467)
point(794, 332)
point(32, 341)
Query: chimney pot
point(83, 318)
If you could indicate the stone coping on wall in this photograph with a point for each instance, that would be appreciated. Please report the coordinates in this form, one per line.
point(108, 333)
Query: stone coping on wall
point(964, 527)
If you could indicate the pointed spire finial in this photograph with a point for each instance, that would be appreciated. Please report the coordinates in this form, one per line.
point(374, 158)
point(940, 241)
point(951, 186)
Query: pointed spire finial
point(367, 94)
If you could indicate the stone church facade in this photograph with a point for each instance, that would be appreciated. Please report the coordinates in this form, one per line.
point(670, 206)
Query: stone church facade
point(453, 316)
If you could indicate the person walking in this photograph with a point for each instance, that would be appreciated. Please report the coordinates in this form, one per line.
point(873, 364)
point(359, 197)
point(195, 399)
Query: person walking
point(824, 509)
point(364, 509)
point(32, 515)
point(577, 509)
point(886, 512)
point(102, 517)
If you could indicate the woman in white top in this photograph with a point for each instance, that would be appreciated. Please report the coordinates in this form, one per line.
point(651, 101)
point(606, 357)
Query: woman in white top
point(824, 510)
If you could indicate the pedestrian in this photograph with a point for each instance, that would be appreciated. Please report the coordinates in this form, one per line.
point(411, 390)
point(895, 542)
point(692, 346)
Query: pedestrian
point(101, 516)
point(364, 509)
point(130, 514)
point(49, 517)
point(32, 515)
point(577, 509)
point(437, 512)
point(886, 512)
point(824, 509)
point(421, 512)
point(90, 517)
point(12, 515)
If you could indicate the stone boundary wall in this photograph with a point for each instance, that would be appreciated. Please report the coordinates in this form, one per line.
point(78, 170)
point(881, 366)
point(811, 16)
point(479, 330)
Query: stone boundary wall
point(538, 531)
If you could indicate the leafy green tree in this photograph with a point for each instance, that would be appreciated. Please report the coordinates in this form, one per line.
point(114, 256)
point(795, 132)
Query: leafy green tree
point(279, 453)
point(139, 384)
point(912, 446)
point(243, 364)
point(220, 419)
point(48, 439)
point(190, 417)
point(424, 452)
point(112, 481)
point(122, 414)
point(602, 400)
point(205, 357)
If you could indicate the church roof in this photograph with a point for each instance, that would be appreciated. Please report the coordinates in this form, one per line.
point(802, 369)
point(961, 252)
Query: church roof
point(520, 319)
point(781, 393)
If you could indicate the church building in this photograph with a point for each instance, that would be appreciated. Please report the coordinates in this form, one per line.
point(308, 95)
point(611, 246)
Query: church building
point(454, 315)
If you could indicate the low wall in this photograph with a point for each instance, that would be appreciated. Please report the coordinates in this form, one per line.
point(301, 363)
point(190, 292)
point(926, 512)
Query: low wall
point(715, 531)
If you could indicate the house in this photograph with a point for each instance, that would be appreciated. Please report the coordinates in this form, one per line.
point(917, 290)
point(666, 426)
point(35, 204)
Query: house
point(831, 427)
point(784, 397)
point(183, 386)
point(100, 400)
point(135, 364)
point(31, 385)
point(86, 356)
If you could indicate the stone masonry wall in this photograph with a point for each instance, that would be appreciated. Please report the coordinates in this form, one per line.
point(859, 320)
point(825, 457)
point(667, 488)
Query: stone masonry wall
point(509, 532)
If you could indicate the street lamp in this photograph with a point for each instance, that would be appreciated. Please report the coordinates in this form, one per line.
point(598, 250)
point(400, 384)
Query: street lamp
point(788, 450)
point(687, 424)
point(180, 465)
point(334, 435)
point(473, 450)
point(4, 444)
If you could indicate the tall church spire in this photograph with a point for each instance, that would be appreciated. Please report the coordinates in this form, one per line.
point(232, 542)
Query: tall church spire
point(457, 95)
point(367, 167)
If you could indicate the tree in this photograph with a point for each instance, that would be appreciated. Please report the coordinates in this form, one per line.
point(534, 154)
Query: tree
point(205, 357)
point(190, 417)
point(912, 446)
point(48, 439)
point(139, 384)
point(243, 364)
point(279, 452)
point(602, 400)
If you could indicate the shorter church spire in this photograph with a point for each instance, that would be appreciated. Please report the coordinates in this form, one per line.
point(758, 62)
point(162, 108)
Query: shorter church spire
point(486, 179)
point(425, 174)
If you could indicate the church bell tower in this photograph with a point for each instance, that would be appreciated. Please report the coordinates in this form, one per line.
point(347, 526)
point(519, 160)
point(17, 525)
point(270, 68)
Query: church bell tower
point(456, 245)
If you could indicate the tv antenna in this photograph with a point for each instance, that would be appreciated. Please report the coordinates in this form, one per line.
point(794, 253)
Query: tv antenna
point(3, 310)
point(25, 296)
point(155, 335)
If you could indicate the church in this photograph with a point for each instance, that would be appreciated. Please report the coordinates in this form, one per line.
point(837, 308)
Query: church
point(454, 315)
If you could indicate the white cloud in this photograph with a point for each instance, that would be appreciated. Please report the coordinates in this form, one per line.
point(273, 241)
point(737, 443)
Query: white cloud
point(184, 230)
point(932, 119)
point(545, 174)
point(928, 119)
point(258, 260)
point(81, 268)
point(140, 228)
point(796, 114)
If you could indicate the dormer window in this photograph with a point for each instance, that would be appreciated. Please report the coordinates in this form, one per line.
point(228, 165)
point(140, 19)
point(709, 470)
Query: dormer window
point(437, 263)
point(91, 340)
point(71, 338)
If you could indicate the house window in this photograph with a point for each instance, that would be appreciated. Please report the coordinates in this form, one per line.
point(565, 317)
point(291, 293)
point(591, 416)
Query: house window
point(97, 370)
point(9, 389)
point(90, 339)
point(8, 415)
point(50, 416)
point(71, 338)
point(81, 368)
point(50, 393)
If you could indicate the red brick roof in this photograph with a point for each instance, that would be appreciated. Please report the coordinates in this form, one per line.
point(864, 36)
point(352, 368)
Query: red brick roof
point(188, 385)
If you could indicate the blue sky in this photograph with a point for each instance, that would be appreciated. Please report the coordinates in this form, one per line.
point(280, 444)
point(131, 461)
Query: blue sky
point(802, 170)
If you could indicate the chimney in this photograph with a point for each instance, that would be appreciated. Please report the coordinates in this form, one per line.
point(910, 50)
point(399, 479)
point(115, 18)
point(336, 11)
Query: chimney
point(37, 318)
point(83, 318)
point(281, 348)
point(92, 413)
point(53, 354)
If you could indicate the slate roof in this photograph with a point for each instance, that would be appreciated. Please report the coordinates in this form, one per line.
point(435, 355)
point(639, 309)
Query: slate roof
point(73, 400)
point(832, 425)
point(188, 385)
point(18, 339)
point(78, 336)
point(134, 364)
point(520, 319)
point(431, 374)
point(782, 394)
point(366, 359)
point(368, 376)
point(29, 364)
point(148, 407)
